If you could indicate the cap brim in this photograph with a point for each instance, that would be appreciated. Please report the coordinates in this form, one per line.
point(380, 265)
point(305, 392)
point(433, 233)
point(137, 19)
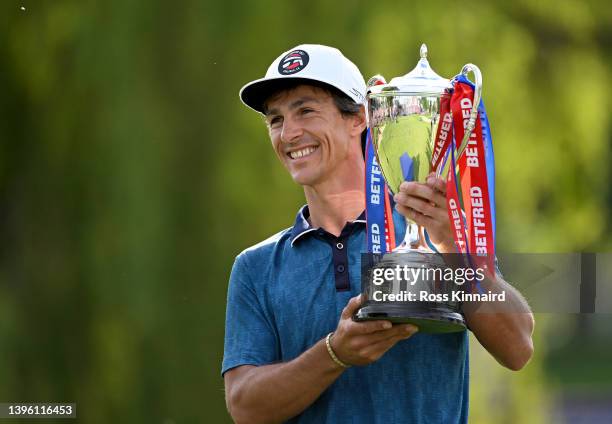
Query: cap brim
point(255, 93)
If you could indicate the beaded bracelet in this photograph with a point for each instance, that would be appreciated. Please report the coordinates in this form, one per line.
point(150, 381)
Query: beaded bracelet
point(331, 351)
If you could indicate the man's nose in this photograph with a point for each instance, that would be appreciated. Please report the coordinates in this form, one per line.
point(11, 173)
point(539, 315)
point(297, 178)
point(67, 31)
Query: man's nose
point(292, 130)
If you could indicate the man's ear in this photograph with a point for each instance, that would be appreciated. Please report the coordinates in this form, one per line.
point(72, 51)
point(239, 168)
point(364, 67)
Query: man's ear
point(359, 121)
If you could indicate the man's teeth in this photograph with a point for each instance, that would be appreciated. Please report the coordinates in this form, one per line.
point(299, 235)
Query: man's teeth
point(301, 153)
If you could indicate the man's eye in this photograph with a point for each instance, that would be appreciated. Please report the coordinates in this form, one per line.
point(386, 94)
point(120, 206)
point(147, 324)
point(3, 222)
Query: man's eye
point(275, 121)
point(306, 110)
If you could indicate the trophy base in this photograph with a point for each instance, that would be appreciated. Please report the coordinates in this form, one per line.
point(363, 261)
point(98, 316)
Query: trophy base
point(429, 316)
point(427, 322)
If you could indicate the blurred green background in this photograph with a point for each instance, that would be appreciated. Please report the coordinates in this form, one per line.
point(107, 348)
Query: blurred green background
point(131, 175)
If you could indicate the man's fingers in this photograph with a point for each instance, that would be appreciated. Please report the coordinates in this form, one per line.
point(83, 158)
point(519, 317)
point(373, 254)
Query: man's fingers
point(422, 198)
point(413, 188)
point(351, 307)
point(377, 349)
point(400, 330)
point(418, 217)
point(434, 190)
point(410, 205)
point(440, 201)
point(439, 187)
point(418, 204)
point(369, 327)
point(437, 183)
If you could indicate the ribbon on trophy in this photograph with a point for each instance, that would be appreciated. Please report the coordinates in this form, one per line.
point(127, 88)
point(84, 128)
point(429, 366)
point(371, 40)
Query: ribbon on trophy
point(379, 217)
point(471, 210)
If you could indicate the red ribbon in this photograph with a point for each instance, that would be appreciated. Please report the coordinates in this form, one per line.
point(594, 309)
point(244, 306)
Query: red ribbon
point(389, 225)
point(455, 213)
point(444, 135)
point(474, 182)
point(473, 177)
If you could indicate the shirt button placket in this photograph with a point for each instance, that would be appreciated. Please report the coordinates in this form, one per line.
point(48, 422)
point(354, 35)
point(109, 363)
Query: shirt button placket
point(340, 258)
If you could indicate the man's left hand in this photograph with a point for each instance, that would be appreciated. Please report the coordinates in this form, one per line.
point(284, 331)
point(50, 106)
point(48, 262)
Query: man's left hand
point(425, 204)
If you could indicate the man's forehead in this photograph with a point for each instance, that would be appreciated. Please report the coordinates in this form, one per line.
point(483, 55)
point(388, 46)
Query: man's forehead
point(295, 96)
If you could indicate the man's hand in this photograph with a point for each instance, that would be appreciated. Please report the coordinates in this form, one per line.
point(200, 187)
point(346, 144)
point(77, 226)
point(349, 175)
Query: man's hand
point(425, 204)
point(360, 343)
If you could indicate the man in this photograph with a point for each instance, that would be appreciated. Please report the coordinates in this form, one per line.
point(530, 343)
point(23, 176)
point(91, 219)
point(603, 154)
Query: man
point(290, 291)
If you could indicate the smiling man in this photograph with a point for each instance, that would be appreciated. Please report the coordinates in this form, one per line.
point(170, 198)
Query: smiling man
point(317, 139)
point(292, 351)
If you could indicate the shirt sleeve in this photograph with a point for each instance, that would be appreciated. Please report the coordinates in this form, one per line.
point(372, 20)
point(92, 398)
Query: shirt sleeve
point(250, 336)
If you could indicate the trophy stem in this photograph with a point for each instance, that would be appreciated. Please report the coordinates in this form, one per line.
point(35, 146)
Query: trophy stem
point(412, 238)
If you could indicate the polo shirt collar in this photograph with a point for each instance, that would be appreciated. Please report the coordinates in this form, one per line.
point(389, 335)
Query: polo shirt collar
point(301, 226)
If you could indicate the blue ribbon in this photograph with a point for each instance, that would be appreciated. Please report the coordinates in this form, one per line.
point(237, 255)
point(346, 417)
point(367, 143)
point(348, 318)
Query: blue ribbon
point(490, 161)
point(375, 201)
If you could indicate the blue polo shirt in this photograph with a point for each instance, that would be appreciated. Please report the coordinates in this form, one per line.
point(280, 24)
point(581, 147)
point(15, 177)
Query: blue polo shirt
point(287, 293)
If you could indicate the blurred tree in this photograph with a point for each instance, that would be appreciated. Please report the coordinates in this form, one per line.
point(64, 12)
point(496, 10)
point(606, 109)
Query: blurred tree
point(131, 175)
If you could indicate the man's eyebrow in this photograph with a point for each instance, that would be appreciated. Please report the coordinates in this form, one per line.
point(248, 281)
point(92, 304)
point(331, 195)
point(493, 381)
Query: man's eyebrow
point(299, 102)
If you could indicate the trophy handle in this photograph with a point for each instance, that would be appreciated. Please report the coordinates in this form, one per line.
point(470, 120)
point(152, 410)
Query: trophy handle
point(470, 67)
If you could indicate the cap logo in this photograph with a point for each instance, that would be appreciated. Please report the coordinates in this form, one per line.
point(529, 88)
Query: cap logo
point(357, 94)
point(293, 62)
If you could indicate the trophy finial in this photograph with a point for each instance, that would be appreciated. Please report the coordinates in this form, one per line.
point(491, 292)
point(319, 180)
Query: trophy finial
point(422, 79)
point(423, 51)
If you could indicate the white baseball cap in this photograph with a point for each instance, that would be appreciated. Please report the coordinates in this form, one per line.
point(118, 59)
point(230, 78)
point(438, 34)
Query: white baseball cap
point(308, 62)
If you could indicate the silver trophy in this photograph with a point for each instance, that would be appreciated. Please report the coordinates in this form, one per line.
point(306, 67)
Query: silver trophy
point(403, 118)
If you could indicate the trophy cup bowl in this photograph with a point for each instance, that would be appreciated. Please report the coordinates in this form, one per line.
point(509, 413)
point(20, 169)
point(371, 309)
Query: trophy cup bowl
point(403, 119)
